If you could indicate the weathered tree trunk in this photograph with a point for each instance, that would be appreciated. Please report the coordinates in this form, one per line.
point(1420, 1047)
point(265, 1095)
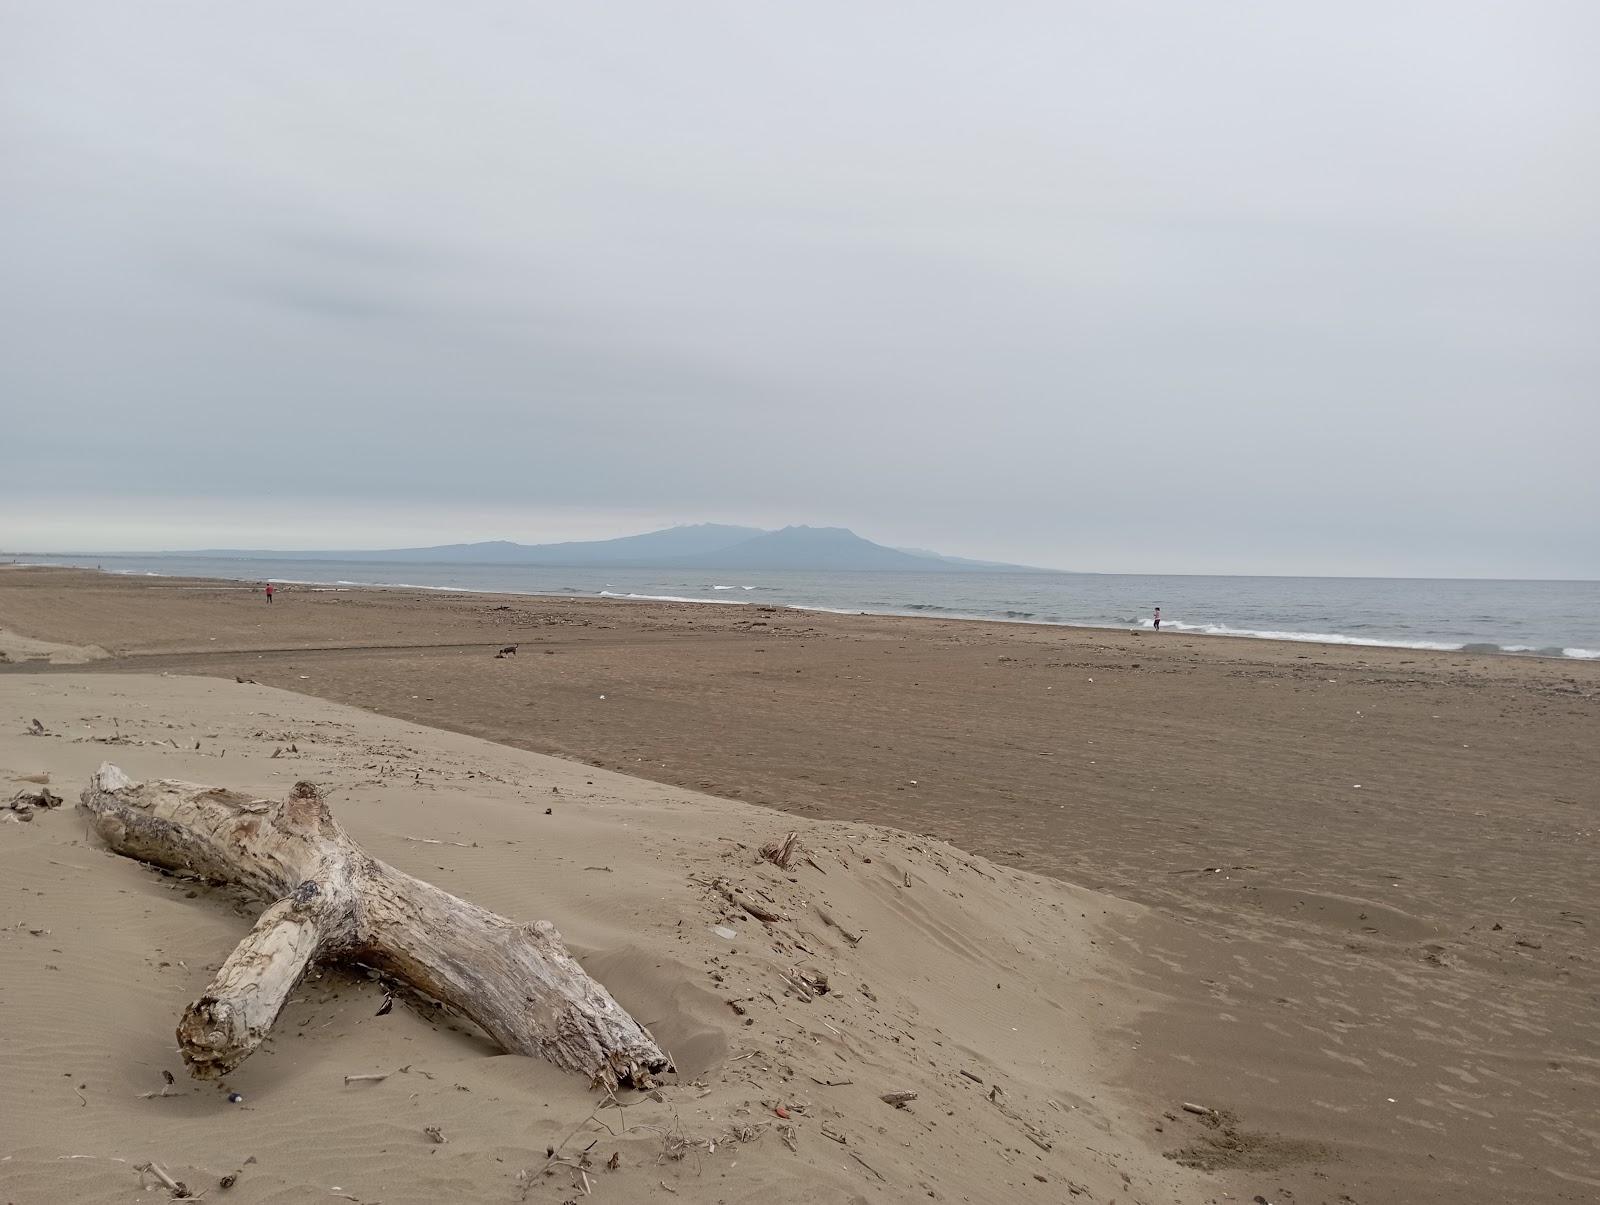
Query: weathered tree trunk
point(333, 901)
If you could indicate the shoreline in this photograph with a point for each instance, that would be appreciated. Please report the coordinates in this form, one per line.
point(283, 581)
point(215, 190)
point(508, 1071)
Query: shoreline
point(1175, 627)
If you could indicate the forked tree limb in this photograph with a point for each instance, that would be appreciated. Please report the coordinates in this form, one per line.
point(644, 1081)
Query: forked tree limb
point(334, 901)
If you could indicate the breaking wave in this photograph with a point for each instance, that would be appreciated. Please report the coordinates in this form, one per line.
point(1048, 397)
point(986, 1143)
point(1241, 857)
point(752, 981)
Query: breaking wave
point(1221, 629)
point(725, 602)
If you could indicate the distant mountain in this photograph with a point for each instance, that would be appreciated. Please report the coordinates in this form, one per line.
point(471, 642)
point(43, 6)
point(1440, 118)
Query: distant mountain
point(696, 546)
point(811, 548)
point(650, 548)
point(641, 551)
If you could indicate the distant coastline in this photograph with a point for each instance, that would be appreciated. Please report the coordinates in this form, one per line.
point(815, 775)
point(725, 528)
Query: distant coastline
point(689, 546)
point(1536, 619)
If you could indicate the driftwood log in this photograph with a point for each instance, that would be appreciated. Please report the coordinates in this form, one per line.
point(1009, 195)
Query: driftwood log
point(333, 901)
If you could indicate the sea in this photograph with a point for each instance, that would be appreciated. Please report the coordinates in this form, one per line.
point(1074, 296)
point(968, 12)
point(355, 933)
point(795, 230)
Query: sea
point(1533, 618)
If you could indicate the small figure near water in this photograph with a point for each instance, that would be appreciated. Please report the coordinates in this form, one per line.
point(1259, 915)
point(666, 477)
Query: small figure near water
point(1158, 619)
point(269, 592)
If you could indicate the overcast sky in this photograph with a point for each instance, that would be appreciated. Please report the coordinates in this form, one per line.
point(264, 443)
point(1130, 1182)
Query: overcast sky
point(1146, 287)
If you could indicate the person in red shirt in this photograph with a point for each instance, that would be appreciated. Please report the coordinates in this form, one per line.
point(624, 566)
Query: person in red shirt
point(269, 592)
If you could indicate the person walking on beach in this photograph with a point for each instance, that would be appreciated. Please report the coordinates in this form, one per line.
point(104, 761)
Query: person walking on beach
point(1158, 617)
point(269, 593)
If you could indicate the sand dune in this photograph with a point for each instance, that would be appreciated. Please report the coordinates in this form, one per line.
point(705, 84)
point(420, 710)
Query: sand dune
point(16, 647)
point(970, 981)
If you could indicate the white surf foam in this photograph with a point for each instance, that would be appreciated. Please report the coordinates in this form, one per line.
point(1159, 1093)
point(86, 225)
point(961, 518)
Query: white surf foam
point(327, 585)
point(725, 602)
point(1222, 629)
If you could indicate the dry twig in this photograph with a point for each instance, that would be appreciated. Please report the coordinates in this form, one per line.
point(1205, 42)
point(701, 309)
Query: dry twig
point(867, 1165)
point(178, 1189)
point(828, 919)
point(781, 853)
point(736, 895)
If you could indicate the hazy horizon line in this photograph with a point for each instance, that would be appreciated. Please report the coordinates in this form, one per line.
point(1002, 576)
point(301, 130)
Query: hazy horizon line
point(12, 556)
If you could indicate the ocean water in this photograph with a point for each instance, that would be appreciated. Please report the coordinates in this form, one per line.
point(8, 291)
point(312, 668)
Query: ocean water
point(1545, 618)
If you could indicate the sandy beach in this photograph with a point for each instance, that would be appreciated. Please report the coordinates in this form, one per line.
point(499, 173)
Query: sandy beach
point(1344, 896)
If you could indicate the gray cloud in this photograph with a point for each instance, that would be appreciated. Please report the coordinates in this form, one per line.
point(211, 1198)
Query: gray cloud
point(1159, 287)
